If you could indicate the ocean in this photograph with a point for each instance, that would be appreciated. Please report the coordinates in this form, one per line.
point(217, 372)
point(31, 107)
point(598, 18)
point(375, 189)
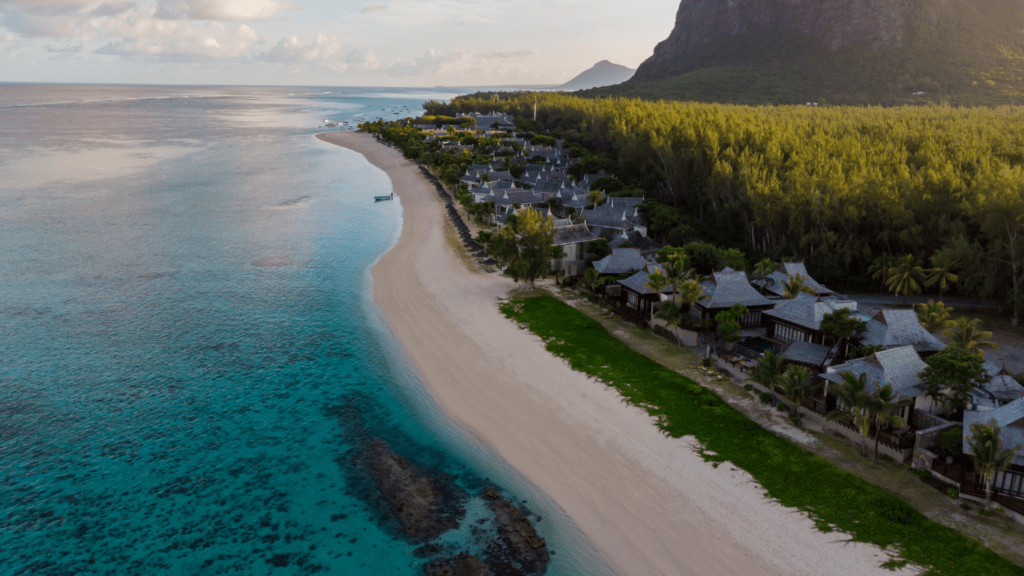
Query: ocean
point(191, 360)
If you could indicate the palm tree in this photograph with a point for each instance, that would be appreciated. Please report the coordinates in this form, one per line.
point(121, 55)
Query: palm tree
point(590, 279)
point(762, 270)
point(942, 273)
point(988, 458)
point(937, 392)
point(656, 282)
point(794, 285)
point(884, 408)
point(856, 406)
point(768, 371)
point(967, 334)
point(675, 272)
point(691, 292)
point(557, 254)
point(863, 351)
point(797, 385)
point(673, 317)
point(906, 276)
point(879, 268)
point(934, 316)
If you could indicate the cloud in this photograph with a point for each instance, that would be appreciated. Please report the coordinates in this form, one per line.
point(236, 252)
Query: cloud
point(290, 49)
point(7, 37)
point(445, 12)
point(143, 35)
point(358, 59)
point(219, 10)
point(55, 19)
point(362, 59)
point(112, 9)
point(34, 25)
point(324, 49)
point(63, 49)
point(462, 62)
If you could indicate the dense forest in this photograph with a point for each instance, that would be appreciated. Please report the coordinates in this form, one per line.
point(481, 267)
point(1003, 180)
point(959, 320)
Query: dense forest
point(841, 188)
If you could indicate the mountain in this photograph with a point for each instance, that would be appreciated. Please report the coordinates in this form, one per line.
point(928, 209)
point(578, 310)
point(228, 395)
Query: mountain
point(839, 51)
point(604, 73)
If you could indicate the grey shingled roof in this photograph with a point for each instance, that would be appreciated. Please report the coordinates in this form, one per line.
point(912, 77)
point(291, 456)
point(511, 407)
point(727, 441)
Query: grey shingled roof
point(516, 196)
point(617, 213)
point(1010, 417)
point(624, 202)
point(548, 186)
point(806, 353)
point(637, 282)
point(572, 234)
point(792, 269)
point(1005, 388)
point(646, 245)
point(808, 311)
point(730, 288)
point(993, 369)
point(899, 367)
point(894, 328)
point(620, 261)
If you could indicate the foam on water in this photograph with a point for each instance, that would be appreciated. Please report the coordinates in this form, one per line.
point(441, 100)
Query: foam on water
point(190, 356)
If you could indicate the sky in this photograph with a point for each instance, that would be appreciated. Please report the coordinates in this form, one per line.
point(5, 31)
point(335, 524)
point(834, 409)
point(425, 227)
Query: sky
point(324, 42)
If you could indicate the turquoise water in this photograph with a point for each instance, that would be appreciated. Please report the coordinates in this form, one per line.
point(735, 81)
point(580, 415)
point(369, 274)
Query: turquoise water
point(190, 357)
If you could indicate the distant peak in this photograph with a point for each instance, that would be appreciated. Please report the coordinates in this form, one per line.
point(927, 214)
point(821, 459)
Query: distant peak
point(604, 73)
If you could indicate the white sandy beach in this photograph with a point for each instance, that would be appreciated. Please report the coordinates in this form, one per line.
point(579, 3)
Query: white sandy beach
point(648, 503)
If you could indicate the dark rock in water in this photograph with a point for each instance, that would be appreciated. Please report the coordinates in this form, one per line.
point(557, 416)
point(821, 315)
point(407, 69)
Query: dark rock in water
point(413, 498)
point(427, 550)
point(518, 548)
point(461, 565)
point(280, 560)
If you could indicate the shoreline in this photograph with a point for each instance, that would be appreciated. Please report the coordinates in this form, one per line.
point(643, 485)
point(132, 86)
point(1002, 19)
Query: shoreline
point(648, 503)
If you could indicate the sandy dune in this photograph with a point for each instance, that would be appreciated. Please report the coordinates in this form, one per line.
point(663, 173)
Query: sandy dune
point(647, 503)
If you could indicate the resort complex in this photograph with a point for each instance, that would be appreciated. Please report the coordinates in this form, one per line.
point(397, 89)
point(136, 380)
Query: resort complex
point(906, 384)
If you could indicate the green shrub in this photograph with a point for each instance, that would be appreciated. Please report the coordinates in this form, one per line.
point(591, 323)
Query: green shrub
point(765, 397)
point(953, 492)
point(662, 331)
point(951, 441)
point(748, 387)
point(782, 407)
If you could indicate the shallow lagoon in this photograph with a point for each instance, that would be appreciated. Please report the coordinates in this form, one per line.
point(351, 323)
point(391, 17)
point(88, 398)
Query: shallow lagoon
point(191, 357)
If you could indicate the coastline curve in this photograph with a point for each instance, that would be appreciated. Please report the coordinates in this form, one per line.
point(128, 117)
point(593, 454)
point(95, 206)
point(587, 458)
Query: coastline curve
point(648, 503)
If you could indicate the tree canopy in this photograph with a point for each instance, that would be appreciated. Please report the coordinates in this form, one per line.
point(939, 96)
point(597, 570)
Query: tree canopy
point(525, 250)
point(839, 325)
point(955, 371)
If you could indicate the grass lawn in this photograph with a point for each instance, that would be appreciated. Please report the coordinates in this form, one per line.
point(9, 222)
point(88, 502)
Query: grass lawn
point(795, 477)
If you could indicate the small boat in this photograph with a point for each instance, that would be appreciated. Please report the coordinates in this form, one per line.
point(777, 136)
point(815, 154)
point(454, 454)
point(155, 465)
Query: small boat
point(388, 197)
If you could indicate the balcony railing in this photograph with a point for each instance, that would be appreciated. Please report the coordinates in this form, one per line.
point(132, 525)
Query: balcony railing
point(961, 471)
